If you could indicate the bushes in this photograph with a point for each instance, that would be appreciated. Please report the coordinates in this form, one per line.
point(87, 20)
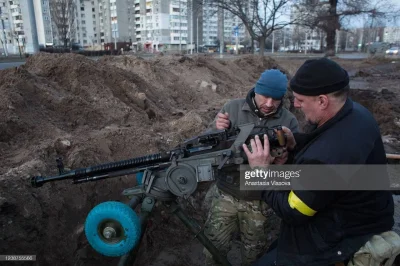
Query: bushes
point(81, 52)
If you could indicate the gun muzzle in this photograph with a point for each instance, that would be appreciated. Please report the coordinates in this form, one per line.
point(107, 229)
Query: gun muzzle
point(37, 181)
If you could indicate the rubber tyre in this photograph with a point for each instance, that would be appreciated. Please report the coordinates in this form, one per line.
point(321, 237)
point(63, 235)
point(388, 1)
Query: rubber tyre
point(120, 212)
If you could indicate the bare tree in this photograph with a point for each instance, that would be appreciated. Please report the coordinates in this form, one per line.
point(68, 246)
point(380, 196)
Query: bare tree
point(297, 36)
point(63, 19)
point(331, 15)
point(15, 35)
point(260, 17)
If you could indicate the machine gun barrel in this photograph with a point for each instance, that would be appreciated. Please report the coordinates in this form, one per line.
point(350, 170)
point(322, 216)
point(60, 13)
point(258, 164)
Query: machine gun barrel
point(208, 142)
point(103, 170)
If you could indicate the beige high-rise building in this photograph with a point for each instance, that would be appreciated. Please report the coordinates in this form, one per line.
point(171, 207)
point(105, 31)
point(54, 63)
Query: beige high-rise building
point(116, 21)
point(161, 25)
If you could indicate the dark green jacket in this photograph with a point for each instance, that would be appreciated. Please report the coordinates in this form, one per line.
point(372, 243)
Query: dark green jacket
point(243, 111)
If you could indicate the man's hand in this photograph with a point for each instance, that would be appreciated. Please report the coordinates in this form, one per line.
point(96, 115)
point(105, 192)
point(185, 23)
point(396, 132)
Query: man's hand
point(290, 141)
point(260, 157)
point(222, 121)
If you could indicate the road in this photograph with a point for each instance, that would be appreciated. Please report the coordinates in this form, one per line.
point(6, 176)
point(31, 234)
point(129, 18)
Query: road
point(227, 56)
point(10, 64)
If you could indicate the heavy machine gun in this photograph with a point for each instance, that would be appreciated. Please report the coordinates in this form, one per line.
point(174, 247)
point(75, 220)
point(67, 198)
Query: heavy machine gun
point(114, 229)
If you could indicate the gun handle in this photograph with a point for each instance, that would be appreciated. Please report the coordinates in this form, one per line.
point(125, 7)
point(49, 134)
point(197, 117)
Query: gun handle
point(281, 137)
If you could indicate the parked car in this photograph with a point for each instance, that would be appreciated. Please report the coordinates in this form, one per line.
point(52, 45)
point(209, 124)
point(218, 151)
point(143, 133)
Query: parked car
point(393, 50)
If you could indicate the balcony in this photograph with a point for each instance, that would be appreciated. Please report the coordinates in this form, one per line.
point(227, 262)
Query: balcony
point(177, 41)
point(14, 14)
point(137, 8)
point(178, 28)
point(177, 35)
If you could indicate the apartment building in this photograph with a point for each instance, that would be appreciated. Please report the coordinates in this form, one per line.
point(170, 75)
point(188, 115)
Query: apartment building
point(210, 26)
point(116, 21)
point(88, 24)
point(232, 22)
point(18, 27)
point(392, 35)
point(43, 22)
point(161, 25)
point(209, 31)
point(27, 27)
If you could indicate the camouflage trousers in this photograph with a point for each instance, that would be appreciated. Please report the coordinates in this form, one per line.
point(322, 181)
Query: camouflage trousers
point(229, 215)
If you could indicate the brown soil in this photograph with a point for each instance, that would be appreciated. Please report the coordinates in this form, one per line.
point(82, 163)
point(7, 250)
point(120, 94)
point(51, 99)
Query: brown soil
point(90, 112)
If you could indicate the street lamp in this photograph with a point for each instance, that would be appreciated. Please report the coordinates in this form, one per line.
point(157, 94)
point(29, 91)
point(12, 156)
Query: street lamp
point(197, 30)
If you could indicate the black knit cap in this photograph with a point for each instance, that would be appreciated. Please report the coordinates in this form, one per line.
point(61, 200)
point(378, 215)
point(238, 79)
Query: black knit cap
point(319, 76)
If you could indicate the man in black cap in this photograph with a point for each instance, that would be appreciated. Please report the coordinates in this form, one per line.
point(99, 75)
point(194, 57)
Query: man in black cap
point(328, 227)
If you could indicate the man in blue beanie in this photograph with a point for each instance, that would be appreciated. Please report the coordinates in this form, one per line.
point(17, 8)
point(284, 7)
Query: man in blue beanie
point(233, 209)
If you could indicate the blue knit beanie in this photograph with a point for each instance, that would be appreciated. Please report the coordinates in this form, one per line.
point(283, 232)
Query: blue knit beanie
point(272, 83)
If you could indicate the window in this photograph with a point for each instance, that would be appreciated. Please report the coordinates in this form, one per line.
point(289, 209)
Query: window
point(82, 8)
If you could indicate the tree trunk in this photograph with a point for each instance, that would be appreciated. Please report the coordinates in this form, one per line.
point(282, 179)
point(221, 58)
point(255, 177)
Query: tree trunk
point(19, 48)
point(330, 42)
point(331, 29)
point(221, 30)
point(252, 45)
point(321, 43)
point(262, 45)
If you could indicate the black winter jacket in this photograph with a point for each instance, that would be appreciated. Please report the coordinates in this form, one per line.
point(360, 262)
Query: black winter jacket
point(342, 221)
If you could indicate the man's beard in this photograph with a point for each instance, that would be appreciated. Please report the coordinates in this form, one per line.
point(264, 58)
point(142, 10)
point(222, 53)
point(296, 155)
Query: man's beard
point(309, 126)
point(270, 113)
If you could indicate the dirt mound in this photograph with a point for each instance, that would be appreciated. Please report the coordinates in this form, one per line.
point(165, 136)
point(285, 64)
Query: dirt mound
point(384, 106)
point(90, 112)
